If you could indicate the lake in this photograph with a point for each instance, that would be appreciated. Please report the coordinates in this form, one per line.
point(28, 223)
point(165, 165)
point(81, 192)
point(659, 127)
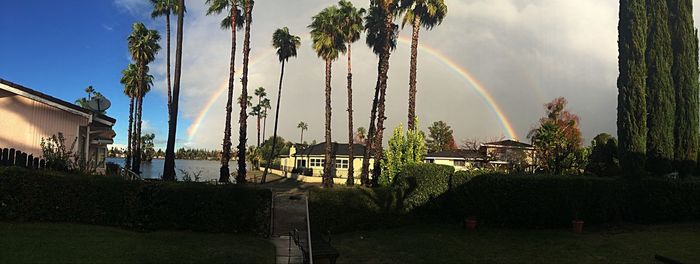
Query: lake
point(154, 169)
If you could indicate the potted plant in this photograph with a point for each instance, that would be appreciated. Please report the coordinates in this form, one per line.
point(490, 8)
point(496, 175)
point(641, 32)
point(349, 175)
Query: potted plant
point(470, 223)
point(577, 223)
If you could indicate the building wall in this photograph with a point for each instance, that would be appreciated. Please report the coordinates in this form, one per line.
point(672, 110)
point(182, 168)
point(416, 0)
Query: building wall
point(24, 122)
point(467, 165)
point(318, 170)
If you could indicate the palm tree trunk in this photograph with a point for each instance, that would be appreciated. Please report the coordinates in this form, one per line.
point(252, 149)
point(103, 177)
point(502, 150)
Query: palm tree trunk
point(264, 127)
point(412, 76)
point(383, 76)
point(167, 71)
point(258, 127)
point(351, 143)
point(243, 121)
point(301, 140)
point(369, 142)
point(169, 166)
point(127, 161)
point(327, 166)
point(274, 133)
point(133, 134)
point(137, 139)
point(224, 172)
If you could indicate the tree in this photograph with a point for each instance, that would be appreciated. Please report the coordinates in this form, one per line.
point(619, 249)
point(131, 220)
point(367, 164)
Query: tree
point(440, 137)
point(404, 149)
point(660, 93)
point(474, 143)
point(165, 8)
point(258, 109)
point(233, 21)
point(603, 160)
point(302, 126)
point(381, 37)
point(685, 77)
point(143, 46)
point(558, 139)
point(130, 79)
point(350, 26)
point(286, 45)
point(328, 42)
point(169, 164)
point(148, 147)
point(632, 93)
point(265, 105)
point(282, 148)
point(428, 14)
point(243, 118)
point(91, 93)
point(360, 135)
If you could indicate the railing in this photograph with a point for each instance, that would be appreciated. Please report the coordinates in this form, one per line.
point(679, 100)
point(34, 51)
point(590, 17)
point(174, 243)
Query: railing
point(13, 157)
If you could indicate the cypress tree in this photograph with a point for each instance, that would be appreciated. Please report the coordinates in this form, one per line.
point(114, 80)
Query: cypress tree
point(631, 101)
point(685, 79)
point(661, 96)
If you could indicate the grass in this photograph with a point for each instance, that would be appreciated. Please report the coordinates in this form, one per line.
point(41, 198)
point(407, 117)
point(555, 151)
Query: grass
point(452, 244)
point(71, 243)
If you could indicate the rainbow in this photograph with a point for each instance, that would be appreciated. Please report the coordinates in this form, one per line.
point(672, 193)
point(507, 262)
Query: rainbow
point(223, 87)
point(471, 80)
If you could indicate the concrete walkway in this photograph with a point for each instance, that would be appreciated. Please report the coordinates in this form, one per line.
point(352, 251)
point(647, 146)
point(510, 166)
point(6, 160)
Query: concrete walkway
point(289, 212)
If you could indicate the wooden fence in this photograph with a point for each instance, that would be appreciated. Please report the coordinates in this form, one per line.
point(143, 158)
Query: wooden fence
point(13, 157)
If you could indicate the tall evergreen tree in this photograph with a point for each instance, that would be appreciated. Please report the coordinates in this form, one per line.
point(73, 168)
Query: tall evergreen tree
point(685, 78)
point(661, 96)
point(631, 101)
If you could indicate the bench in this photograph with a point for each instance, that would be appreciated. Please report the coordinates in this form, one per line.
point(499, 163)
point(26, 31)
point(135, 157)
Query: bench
point(322, 248)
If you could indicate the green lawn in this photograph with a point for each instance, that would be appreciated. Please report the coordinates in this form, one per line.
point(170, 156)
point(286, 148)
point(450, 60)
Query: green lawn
point(452, 244)
point(71, 243)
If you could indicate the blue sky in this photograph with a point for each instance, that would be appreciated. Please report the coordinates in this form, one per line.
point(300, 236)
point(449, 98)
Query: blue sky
point(61, 47)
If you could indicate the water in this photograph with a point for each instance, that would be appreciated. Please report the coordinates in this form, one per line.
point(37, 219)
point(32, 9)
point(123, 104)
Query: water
point(154, 169)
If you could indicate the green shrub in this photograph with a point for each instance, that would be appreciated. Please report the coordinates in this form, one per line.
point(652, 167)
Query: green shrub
point(47, 196)
point(417, 185)
point(662, 200)
point(348, 209)
point(540, 201)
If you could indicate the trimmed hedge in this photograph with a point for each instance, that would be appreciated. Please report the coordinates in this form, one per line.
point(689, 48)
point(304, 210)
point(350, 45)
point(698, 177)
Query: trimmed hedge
point(417, 185)
point(662, 200)
point(540, 201)
point(348, 209)
point(46, 196)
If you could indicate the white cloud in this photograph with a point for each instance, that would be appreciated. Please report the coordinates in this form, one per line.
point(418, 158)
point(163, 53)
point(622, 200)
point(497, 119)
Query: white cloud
point(134, 7)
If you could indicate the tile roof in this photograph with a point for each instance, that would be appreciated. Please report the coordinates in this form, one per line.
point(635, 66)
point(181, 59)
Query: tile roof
point(509, 143)
point(460, 153)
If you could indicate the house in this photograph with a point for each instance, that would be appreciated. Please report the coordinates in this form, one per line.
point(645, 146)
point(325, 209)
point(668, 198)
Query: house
point(312, 159)
point(505, 155)
point(28, 116)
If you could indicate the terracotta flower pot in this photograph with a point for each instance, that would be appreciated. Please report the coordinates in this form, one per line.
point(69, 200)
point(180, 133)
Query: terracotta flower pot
point(578, 226)
point(470, 224)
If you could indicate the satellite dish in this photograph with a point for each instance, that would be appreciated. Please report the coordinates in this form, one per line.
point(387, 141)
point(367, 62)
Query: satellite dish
point(99, 104)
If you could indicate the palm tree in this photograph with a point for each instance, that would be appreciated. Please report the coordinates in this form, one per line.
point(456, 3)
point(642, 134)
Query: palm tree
point(286, 45)
point(258, 109)
point(361, 134)
point(351, 27)
point(165, 8)
point(328, 42)
point(130, 81)
point(143, 46)
point(381, 37)
point(243, 118)
point(303, 126)
point(265, 105)
point(232, 21)
point(426, 13)
point(169, 164)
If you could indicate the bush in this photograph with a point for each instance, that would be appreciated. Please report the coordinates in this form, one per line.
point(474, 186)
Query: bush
point(663, 200)
point(540, 201)
point(348, 209)
point(46, 196)
point(419, 184)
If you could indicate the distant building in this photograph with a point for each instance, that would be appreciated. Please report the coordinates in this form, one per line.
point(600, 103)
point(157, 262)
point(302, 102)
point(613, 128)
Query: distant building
point(505, 155)
point(312, 159)
point(27, 116)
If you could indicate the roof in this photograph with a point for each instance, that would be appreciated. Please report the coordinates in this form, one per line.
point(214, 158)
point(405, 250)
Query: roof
point(338, 149)
point(455, 154)
point(33, 94)
point(508, 143)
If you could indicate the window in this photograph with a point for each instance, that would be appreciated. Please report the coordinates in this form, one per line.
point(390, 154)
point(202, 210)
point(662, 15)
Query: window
point(461, 163)
point(301, 163)
point(341, 163)
point(430, 161)
point(316, 162)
